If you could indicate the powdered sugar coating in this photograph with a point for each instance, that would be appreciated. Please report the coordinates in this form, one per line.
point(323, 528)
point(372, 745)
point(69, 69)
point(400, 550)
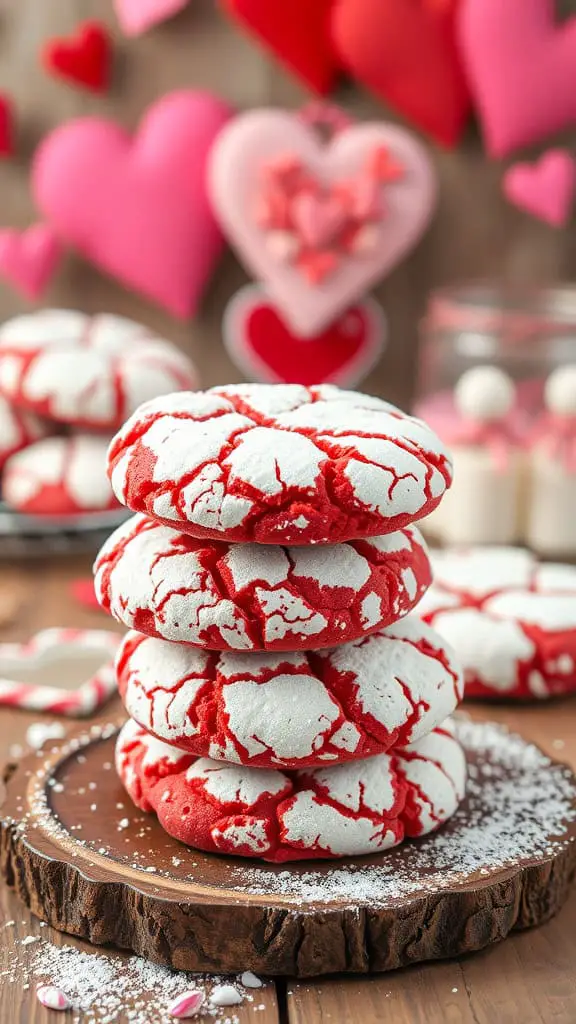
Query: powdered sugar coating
point(511, 621)
point(252, 597)
point(17, 429)
point(59, 476)
point(269, 463)
point(478, 572)
point(87, 371)
point(362, 807)
point(292, 710)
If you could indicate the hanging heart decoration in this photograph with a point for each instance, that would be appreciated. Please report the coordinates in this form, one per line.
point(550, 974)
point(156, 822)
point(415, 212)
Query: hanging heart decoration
point(148, 222)
point(298, 34)
point(29, 259)
point(406, 53)
point(261, 344)
point(545, 189)
point(318, 223)
point(84, 59)
point(521, 65)
point(137, 16)
point(6, 127)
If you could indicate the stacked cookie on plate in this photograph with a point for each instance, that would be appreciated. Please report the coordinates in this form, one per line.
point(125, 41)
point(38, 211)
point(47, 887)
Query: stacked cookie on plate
point(67, 382)
point(281, 704)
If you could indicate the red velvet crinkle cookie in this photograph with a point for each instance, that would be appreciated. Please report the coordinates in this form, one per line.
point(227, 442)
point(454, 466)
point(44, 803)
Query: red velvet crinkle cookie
point(86, 371)
point(278, 464)
point(363, 807)
point(59, 476)
point(510, 620)
point(17, 429)
point(292, 710)
point(249, 597)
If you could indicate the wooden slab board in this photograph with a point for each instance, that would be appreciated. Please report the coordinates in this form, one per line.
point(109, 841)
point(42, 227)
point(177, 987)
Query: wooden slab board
point(87, 862)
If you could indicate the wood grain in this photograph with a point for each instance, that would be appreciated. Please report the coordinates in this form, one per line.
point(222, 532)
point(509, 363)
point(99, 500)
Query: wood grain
point(128, 884)
point(531, 977)
point(475, 233)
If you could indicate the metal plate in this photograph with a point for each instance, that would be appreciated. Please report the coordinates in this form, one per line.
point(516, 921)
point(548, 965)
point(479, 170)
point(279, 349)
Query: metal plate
point(37, 537)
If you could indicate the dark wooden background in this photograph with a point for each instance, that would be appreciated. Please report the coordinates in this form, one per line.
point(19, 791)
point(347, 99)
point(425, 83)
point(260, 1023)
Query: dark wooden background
point(475, 233)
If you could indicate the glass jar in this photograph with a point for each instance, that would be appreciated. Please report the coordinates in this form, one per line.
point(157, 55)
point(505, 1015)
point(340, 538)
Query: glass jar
point(525, 336)
point(526, 333)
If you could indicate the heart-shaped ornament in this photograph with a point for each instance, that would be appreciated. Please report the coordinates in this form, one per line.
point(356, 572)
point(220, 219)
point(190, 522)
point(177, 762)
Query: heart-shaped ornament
point(84, 58)
point(297, 32)
point(521, 66)
point(148, 222)
point(137, 16)
point(6, 127)
point(261, 344)
point(61, 671)
point(265, 161)
point(406, 54)
point(29, 259)
point(545, 189)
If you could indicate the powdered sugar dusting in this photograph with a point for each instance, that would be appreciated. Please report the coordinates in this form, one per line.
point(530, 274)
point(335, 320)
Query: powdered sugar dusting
point(511, 622)
point(518, 807)
point(88, 371)
point(225, 596)
point(106, 989)
point(262, 463)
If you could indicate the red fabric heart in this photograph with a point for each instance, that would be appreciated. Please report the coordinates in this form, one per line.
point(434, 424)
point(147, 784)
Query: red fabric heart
point(405, 52)
point(297, 32)
point(262, 345)
point(84, 59)
point(6, 129)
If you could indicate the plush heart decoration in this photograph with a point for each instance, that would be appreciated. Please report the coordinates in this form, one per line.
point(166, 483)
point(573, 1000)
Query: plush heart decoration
point(29, 259)
point(521, 66)
point(84, 59)
point(311, 288)
point(137, 16)
point(6, 130)
point(406, 54)
point(545, 189)
point(63, 671)
point(137, 207)
point(261, 344)
point(307, 52)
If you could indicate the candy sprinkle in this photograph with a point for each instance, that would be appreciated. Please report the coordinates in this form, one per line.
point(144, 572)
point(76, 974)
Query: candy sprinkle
point(186, 1005)
point(53, 998)
point(225, 995)
point(250, 980)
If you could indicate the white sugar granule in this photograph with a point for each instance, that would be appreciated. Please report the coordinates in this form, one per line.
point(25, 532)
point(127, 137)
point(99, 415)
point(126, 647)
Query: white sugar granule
point(105, 989)
point(39, 732)
point(517, 801)
point(517, 808)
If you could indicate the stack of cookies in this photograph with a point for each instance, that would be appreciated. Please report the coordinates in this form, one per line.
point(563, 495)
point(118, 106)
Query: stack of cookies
point(282, 702)
point(67, 382)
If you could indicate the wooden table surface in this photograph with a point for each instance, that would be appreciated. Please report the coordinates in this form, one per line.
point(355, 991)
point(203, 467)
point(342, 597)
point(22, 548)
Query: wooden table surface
point(530, 978)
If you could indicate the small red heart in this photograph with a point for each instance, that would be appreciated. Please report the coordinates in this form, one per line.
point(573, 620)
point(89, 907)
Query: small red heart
point(297, 32)
point(84, 58)
point(405, 52)
point(6, 127)
point(261, 344)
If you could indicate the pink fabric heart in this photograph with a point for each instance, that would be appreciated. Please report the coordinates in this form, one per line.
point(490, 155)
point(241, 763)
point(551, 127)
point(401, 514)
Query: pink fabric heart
point(137, 16)
point(253, 141)
point(521, 67)
point(29, 259)
point(138, 207)
point(545, 189)
point(318, 219)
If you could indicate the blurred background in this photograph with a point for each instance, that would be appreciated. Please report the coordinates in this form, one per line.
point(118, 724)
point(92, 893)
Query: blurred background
point(475, 233)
